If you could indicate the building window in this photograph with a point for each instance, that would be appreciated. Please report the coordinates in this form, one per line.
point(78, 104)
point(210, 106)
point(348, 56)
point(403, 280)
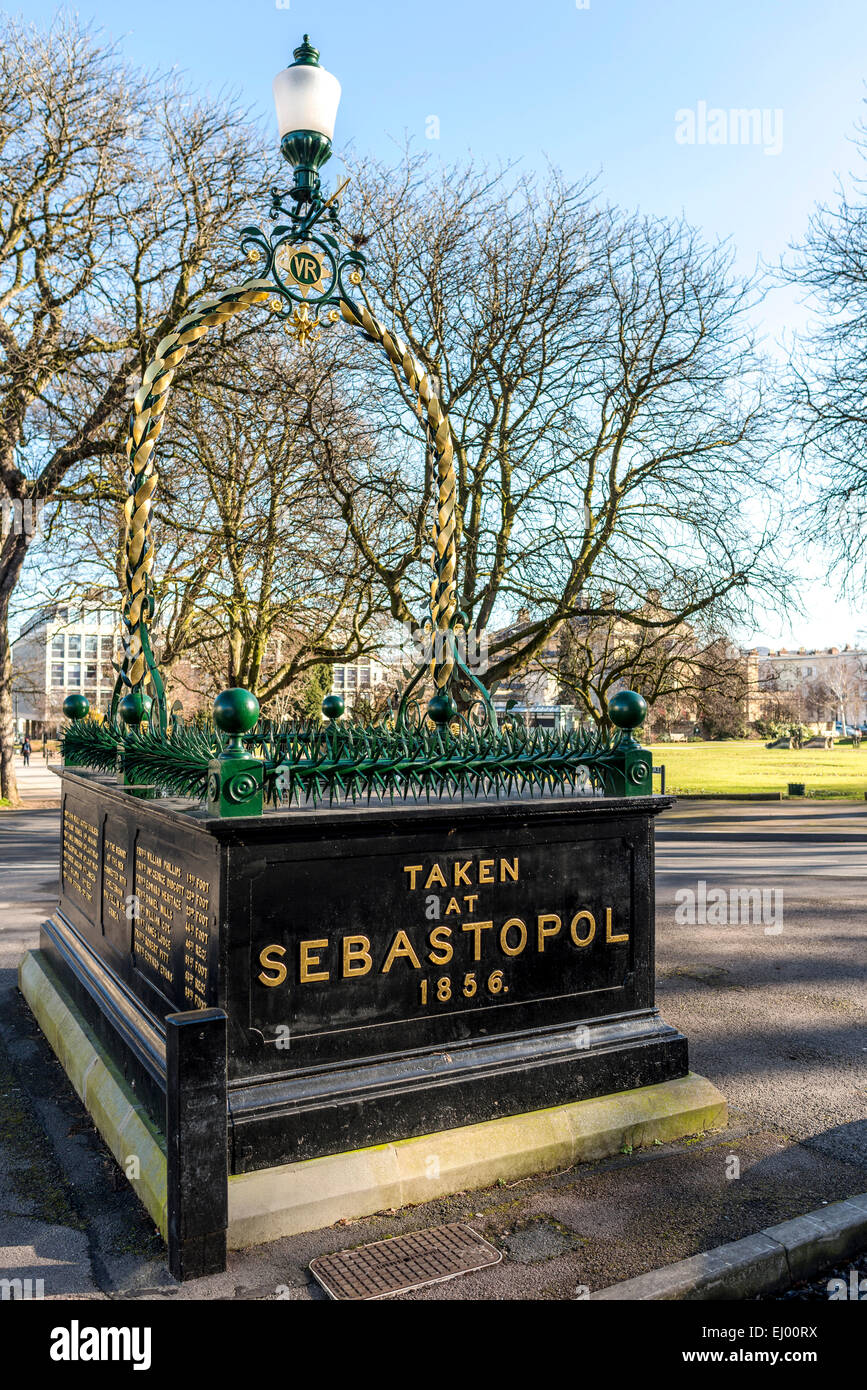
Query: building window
point(106, 647)
point(364, 677)
point(57, 674)
point(90, 673)
point(58, 645)
point(350, 677)
point(74, 646)
point(338, 677)
point(91, 648)
point(73, 673)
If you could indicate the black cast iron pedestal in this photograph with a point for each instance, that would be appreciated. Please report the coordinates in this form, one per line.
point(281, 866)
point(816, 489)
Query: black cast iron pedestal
point(309, 982)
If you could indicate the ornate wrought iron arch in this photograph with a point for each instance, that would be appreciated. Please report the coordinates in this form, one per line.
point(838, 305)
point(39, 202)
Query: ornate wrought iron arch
point(139, 664)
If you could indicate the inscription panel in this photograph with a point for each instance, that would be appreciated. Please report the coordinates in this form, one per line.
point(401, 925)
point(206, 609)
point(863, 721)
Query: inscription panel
point(144, 895)
point(116, 889)
point(80, 858)
point(393, 938)
point(172, 924)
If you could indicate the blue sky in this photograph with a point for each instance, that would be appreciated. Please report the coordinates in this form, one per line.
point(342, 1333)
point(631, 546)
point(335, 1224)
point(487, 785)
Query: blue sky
point(595, 87)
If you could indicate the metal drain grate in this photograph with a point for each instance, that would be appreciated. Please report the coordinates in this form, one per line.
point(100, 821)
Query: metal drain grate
point(406, 1262)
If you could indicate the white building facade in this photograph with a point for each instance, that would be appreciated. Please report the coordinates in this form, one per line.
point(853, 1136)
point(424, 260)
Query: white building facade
point(827, 684)
point(66, 648)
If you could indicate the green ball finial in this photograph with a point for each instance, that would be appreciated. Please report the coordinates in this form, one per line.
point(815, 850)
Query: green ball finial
point(627, 709)
point(441, 708)
point(235, 711)
point(76, 707)
point(333, 706)
point(134, 708)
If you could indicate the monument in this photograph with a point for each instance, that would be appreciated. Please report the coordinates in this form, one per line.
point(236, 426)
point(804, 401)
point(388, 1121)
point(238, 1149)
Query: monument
point(302, 971)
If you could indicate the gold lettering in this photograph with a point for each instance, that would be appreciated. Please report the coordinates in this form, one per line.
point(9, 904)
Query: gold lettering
point(504, 934)
point(609, 935)
point(461, 872)
point(443, 946)
point(307, 975)
point(412, 870)
point(277, 966)
point(584, 916)
point(357, 959)
point(477, 928)
point(435, 876)
point(485, 867)
point(509, 870)
point(400, 946)
point(471, 899)
point(452, 907)
point(544, 931)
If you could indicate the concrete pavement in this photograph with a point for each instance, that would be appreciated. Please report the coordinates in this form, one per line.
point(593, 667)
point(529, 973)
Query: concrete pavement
point(775, 1018)
point(38, 785)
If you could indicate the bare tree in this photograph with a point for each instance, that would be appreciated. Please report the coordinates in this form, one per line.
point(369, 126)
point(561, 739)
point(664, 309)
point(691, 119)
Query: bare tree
point(258, 580)
point(118, 199)
point(611, 428)
point(818, 700)
point(829, 373)
point(779, 702)
point(845, 679)
point(680, 669)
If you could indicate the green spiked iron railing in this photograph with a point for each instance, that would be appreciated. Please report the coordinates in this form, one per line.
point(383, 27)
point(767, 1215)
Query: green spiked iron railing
point(243, 763)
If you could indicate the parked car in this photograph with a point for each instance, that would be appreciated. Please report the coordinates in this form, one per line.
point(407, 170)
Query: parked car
point(848, 732)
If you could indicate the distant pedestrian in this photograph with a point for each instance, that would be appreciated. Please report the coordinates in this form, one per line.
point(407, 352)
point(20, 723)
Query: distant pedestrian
point(25, 750)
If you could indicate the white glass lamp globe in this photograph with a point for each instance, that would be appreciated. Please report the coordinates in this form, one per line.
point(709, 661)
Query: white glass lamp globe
point(306, 95)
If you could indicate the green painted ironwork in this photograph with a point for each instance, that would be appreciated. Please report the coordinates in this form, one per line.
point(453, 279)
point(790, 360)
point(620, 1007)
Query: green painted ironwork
point(308, 271)
point(242, 762)
point(236, 776)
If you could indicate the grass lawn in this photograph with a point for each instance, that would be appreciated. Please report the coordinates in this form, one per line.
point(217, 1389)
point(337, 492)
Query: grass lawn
point(746, 765)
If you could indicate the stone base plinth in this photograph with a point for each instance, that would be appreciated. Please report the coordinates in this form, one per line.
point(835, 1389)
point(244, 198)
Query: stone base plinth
point(307, 1196)
point(295, 1197)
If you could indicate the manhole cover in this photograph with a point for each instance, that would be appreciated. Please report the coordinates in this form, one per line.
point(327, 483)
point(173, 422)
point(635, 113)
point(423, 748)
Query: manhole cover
point(406, 1262)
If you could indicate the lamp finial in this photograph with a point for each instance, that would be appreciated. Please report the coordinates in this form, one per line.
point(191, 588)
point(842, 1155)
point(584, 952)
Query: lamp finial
point(305, 54)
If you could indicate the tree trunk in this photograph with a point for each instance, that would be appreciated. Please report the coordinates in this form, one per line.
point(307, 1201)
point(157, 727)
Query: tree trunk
point(13, 551)
point(8, 783)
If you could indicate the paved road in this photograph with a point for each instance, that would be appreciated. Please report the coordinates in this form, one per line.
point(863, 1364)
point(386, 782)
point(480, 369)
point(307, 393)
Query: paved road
point(785, 981)
point(762, 843)
point(776, 1017)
